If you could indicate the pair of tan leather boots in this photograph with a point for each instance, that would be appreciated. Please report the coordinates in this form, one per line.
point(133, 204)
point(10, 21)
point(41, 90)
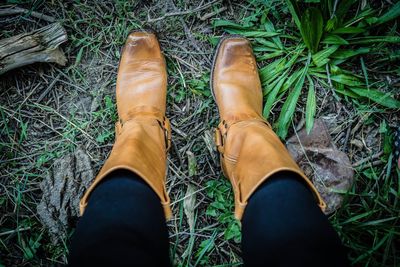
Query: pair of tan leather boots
point(250, 151)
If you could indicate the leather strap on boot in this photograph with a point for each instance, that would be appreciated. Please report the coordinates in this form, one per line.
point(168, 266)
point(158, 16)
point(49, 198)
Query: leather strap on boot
point(222, 130)
point(250, 154)
point(143, 112)
point(141, 145)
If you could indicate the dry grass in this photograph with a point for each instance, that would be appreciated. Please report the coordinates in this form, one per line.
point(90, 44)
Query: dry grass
point(78, 111)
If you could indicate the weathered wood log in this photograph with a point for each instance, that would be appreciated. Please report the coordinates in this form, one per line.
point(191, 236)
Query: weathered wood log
point(41, 45)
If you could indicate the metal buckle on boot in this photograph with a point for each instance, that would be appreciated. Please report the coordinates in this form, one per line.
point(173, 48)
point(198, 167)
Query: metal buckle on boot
point(219, 140)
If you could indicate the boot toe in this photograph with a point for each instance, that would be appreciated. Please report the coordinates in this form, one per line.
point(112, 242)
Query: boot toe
point(235, 82)
point(141, 46)
point(233, 50)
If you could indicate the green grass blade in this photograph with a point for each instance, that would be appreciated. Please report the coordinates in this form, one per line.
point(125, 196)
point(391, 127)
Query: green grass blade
point(346, 79)
point(293, 9)
point(289, 107)
point(365, 72)
point(375, 39)
point(346, 54)
point(311, 28)
point(376, 96)
point(291, 80)
point(270, 28)
point(252, 34)
point(267, 43)
point(290, 104)
point(393, 13)
point(334, 39)
point(228, 24)
point(348, 30)
point(322, 57)
point(363, 15)
point(270, 55)
point(311, 106)
point(272, 96)
point(271, 69)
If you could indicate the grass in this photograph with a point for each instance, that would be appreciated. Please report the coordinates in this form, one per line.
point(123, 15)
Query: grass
point(79, 111)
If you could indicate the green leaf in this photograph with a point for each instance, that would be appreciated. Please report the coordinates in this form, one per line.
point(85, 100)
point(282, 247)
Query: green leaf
point(79, 57)
point(292, 6)
point(346, 54)
point(346, 80)
point(348, 30)
point(271, 69)
point(321, 58)
point(334, 39)
point(253, 34)
point(346, 92)
point(375, 39)
point(272, 96)
point(365, 72)
point(290, 105)
point(266, 43)
point(232, 231)
point(270, 28)
point(291, 80)
point(311, 106)
point(228, 24)
point(360, 16)
point(311, 28)
point(270, 55)
point(381, 98)
point(331, 24)
point(393, 13)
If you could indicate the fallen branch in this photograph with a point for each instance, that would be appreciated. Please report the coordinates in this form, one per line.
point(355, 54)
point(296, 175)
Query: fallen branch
point(41, 45)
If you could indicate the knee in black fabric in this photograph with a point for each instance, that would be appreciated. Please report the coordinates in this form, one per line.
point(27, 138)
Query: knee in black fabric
point(123, 224)
point(283, 226)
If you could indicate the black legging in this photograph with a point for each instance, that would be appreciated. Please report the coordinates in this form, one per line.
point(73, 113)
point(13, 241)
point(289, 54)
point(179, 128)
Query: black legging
point(124, 225)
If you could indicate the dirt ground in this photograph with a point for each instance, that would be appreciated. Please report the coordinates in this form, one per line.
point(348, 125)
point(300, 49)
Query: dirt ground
point(49, 112)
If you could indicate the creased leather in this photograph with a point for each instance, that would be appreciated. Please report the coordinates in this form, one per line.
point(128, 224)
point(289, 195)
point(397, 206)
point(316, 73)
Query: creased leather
point(143, 134)
point(250, 151)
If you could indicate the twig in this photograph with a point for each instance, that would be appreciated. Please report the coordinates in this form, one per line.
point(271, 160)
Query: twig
point(346, 139)
point(362, 161)
point(316, 176)
point(178, 13)
point(45, 92)
point(359, 123)
point(211, 14)
point(193, 41)
point(90, 138)
point(14, 231)
point(328, 74)
point(372, 164)
point(8, 11)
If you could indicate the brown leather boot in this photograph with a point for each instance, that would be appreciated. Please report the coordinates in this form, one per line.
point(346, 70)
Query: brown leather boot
point(250, 151)
point(142, 131)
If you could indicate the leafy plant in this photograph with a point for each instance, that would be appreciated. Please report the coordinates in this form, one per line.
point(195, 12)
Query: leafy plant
point(222, 206)
point(320, 48)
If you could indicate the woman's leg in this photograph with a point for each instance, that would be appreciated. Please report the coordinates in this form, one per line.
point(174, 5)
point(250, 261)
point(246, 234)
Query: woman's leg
point(283, 226)
point(123, 224)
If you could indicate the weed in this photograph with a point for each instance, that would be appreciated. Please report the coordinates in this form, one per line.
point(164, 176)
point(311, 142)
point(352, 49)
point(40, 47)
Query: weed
point(221, 208)
point(324, 52)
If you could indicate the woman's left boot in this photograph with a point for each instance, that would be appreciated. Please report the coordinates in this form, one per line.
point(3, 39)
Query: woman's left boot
point(142, 131)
